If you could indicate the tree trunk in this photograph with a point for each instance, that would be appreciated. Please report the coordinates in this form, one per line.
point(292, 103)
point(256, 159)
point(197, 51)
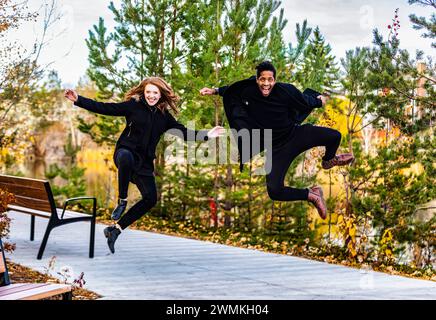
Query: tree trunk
point(162, 47)
point(228, 202)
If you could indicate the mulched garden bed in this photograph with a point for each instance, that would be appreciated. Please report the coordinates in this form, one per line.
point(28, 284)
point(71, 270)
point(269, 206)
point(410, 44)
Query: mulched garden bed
point(21, 274)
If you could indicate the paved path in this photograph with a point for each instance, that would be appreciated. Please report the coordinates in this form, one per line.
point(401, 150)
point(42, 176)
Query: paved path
point(154, 266)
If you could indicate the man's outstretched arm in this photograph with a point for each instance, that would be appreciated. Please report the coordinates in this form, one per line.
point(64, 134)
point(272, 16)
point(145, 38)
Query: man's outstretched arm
point(306, 101)
point(213, 91)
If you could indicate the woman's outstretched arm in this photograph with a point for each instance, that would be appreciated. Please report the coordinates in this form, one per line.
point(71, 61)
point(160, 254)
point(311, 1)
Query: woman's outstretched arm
point(106, 108)
point(181, 131)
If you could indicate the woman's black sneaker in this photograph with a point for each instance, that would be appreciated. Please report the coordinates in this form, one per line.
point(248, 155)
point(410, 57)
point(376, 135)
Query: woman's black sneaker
point(111, 233)
point(118, 211)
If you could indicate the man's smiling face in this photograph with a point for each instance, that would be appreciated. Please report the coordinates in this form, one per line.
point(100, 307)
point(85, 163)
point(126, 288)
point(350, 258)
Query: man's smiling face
point(266, 82)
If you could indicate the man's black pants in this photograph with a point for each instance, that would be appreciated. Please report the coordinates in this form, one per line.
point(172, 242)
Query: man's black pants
point(303, 138)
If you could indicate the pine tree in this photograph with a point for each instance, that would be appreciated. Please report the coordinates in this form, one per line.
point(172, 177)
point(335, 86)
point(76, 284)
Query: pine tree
point(138, 46)
point(276, 48)
point(420, 23)
point(295, 54)
point(318, 68)
point(226, 43)
point(383, 190)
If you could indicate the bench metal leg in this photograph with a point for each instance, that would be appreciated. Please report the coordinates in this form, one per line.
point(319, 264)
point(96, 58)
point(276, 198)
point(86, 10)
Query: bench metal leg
point(92, 235)
point(92, 239)
point(67, 295)
point(32, 227)
point(50, 226)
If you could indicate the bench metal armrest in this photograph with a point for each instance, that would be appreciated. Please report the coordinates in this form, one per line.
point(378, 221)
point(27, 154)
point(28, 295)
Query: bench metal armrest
point(94, 206)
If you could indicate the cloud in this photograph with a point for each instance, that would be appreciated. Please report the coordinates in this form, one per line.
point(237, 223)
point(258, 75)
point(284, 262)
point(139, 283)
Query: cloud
point(347, 24)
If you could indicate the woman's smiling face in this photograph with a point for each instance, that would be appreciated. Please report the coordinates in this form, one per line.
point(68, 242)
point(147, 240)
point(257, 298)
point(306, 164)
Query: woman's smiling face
point(151, 94)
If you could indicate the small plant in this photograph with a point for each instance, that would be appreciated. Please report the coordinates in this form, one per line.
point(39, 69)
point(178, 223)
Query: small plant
point(6, 198)
point(50, 267)
point(394, 27)
point(80, 281)
point(66, 272)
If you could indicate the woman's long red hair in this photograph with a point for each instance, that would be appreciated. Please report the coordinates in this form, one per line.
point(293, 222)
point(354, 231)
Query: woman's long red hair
point(168, 98)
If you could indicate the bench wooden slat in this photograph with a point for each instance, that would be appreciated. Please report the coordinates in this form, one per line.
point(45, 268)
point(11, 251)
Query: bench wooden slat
point(25, 191)
point(17, 287)
point(39, 213)
point(32, 203)
point(36, 291)
point(43, 214)
point(29, 193)
point(28, 291)
point(32, 183)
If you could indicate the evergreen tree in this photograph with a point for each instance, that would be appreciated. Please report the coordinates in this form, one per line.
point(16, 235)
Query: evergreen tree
point(318, 68)
point(276, 48)
point(421, 23)
point(399, 77)
point(138, 47)
point(191, 44)
point(295, 54)
point(383, 191)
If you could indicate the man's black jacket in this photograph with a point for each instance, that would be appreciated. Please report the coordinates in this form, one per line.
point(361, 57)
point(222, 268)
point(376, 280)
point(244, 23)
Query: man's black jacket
point(294, 107)
point(144, 126)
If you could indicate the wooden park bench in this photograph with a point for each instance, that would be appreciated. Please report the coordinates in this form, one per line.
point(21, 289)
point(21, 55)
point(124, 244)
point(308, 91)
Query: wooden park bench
point(28, 291)
point(34, 197)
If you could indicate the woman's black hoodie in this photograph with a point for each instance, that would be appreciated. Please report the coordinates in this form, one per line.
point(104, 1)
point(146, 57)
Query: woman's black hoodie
point(144, 126)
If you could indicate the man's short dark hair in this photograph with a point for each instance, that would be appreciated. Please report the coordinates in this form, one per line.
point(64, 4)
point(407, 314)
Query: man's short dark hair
point(265, 66)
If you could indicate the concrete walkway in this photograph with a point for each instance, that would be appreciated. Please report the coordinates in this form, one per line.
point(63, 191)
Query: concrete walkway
point(154, 266)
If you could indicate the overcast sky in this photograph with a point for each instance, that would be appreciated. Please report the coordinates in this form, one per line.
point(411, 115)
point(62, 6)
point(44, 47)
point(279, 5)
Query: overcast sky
point(344, 23)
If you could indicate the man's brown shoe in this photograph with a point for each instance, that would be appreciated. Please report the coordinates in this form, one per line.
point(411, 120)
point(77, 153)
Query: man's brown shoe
point(317, 199)
point(338, 160)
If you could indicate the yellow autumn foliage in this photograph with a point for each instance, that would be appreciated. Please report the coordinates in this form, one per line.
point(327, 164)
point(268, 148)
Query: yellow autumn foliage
point(335, 115)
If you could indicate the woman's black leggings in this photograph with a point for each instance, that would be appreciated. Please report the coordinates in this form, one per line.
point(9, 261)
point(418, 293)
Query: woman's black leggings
point(303, 138)
point(125, 162)
point(146, 184)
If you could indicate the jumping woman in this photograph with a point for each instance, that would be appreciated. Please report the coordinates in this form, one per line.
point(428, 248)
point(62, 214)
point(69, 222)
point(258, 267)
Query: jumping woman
point(147, 112)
